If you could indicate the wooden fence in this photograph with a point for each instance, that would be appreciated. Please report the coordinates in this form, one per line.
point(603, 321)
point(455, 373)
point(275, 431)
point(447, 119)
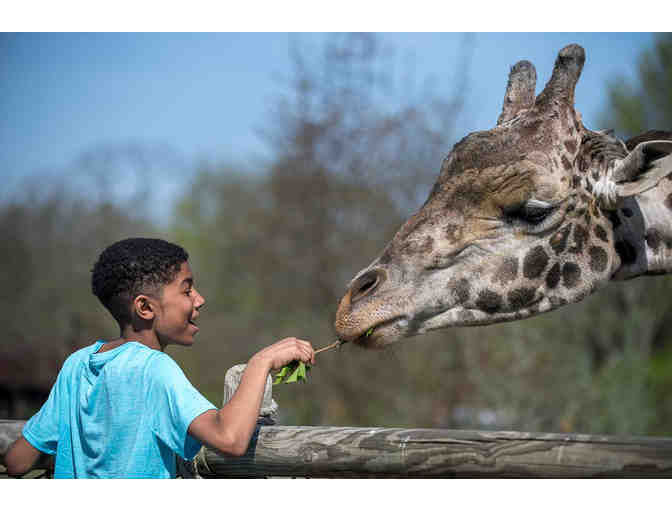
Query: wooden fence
point(349, 452)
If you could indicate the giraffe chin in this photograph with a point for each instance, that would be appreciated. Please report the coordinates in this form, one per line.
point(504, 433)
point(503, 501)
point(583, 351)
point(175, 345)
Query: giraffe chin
point(384, 334)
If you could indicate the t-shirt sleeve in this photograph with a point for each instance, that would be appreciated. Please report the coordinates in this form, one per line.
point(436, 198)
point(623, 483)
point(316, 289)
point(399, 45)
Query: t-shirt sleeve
point(42, 430)
point(175, 404)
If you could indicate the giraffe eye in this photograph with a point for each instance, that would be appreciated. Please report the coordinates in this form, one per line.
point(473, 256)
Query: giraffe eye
point(531, 211)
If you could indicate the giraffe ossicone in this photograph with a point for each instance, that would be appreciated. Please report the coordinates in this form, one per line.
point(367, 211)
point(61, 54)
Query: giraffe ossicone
point(531, 215)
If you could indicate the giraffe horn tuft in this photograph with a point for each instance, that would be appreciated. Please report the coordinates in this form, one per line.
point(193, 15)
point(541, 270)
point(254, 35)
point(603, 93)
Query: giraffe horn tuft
point(519, 90)
point(566, 73)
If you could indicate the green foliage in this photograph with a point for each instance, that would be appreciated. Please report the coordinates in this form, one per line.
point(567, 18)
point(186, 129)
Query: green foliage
point(292, 372)
point(52, 239)
point(633, 337)
point(647, 104)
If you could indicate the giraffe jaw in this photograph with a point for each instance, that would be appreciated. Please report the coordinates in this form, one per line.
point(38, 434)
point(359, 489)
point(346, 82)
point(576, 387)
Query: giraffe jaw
point(398, 328)
point(467, 317)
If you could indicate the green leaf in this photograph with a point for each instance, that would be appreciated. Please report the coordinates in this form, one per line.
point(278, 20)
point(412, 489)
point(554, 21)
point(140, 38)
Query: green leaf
point(284, 372)
point(292, 372)
point(368, 333)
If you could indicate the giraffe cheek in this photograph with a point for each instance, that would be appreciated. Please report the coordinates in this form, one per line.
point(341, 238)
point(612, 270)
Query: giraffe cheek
point(521, 298)
point(535, 262)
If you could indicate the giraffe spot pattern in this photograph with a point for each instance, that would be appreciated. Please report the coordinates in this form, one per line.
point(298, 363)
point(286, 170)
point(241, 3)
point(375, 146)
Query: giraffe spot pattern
point(415, 246)
point(452, 232)
point(507, 272)
point(583, 165)
point(570, 145)
point(535, 262)
point(653, 238)
point(489, 301)
point(461, 290)
point(571, 273)
point(520, 298)
point(428, 244)
point(566, 163)
point(601, 233)
point(559, 240)
point(580, 237)
point(598, 259)
point(553, 276)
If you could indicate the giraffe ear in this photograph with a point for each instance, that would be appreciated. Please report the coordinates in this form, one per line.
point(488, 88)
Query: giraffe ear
point(519, 90)
point(566, 73)
point(641, 170)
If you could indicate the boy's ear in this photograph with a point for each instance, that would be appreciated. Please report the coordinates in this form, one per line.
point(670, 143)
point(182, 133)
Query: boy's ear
point(144, 307)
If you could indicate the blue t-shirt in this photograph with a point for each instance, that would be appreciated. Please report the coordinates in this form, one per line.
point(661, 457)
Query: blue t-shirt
point(122, 413)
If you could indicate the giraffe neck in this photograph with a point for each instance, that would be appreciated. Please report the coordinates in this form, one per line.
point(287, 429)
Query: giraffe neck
point(643, 232)
point(642, 223)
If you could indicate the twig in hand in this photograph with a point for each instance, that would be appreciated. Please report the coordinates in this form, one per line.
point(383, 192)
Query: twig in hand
point(337, 343)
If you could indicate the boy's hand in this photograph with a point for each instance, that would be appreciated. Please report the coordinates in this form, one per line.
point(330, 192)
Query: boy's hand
point(289, 349)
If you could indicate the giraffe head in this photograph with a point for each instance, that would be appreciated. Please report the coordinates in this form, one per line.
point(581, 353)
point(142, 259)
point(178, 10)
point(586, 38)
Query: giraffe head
point(520, 221)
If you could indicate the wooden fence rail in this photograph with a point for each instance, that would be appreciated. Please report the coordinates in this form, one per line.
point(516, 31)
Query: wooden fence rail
point(346, 452)
point(350, 452)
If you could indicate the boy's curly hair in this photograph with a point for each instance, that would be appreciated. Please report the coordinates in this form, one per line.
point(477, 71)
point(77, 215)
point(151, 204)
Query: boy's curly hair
point(131, 267)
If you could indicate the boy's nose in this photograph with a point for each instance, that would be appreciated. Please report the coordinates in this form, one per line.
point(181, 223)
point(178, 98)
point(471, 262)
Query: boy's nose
point(200, 300)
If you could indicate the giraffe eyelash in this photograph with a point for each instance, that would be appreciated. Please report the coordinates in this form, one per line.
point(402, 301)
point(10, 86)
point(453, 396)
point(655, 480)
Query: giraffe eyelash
point(533, 215)
point(531, 211)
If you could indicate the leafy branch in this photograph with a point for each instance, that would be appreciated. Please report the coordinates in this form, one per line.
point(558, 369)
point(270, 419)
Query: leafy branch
point(296, 370)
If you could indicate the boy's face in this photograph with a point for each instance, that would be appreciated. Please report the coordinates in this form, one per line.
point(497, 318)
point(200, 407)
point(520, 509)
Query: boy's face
point(178, 309)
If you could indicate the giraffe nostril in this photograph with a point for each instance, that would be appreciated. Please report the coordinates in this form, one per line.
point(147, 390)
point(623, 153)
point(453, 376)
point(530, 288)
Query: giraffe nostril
point(366, 284)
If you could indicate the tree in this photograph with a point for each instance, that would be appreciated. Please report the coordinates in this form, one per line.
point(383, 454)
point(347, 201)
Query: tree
point(52, 233)
point(634, 108)
point(640, 353)
point(349, 163)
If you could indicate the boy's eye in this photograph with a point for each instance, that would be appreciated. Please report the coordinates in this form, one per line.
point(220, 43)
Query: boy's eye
point(188, 292)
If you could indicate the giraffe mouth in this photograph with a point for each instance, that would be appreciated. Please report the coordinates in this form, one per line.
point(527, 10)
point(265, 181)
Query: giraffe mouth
point(382, 333)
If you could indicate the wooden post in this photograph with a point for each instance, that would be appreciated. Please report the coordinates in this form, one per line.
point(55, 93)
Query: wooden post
point(268, 415)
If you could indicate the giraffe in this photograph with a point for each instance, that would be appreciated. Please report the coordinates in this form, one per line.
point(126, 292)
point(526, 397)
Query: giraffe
point(524, 218)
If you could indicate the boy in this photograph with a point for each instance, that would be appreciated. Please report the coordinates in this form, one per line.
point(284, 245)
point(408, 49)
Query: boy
point(122, 408)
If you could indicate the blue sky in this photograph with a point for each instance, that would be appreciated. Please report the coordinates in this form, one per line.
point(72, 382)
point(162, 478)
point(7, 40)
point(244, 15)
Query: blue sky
point(206, 95)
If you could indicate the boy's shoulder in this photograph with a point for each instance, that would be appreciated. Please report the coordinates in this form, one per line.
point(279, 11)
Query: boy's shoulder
point(135, 350)
point(83, 353)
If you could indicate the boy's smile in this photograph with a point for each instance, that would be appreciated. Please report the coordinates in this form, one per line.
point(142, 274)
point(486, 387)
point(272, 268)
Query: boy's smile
point(178, 310)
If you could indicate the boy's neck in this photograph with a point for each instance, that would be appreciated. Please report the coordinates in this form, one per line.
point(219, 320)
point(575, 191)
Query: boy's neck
point(129, 334)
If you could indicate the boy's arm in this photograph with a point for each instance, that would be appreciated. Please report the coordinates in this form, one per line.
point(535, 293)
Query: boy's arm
point(230, 429)
point(21, 457)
